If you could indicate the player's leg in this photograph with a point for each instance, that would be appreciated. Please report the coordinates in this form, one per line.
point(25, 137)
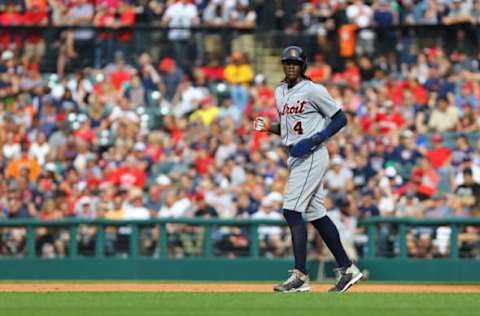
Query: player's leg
point(347, 273)
point(302, 183)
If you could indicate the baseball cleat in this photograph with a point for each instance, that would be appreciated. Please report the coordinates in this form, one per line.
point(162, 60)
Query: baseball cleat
point(346, 277)
point(297, 282)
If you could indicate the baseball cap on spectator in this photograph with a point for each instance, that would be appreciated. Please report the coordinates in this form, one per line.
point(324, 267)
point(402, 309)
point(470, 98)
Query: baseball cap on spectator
point(7, 55)
point(337, 160)
point(84, 200)
point(199, 196)
point(275, 196)
point(139, 146)
point(390, 172)
point(50, 166)
point(260, 78)
point(271, 155)
point(166, 64)
point(163, 180)
point(387, 104)
point(407, 133)
point(266, 202)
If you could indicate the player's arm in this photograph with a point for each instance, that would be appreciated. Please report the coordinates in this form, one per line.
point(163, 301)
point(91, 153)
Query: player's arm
point(338, 121)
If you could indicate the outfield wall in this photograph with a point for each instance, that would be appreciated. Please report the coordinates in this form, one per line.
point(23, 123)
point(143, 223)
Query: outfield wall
point(209, 266)
point(247, 269)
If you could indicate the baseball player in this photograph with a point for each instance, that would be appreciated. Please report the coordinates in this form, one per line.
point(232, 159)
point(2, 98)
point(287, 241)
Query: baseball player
point(308, 117)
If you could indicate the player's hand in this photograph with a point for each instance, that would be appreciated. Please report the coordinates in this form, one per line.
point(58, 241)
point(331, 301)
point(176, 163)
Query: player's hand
point(260, 124)
point(302, 148)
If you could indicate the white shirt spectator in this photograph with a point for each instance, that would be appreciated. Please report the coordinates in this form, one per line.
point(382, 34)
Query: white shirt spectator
point(189, 100)
point(346, 225)
point(475, 173)
point(40, 152)
point(180, 15)
point(221, 201)
point(135, 212)
point(178, 209)
point(360, 14)
point(263, 230)
point(11, 150)
point(85, 12)
point(340, 178)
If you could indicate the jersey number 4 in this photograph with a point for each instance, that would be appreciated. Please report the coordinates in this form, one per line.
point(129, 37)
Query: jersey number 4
point(298, 128)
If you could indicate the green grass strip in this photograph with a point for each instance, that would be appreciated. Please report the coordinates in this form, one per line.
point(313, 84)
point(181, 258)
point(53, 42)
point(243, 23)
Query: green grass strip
point(232, 304)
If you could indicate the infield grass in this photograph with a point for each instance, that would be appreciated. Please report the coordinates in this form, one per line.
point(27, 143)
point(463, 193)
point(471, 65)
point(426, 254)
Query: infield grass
point(232, 304)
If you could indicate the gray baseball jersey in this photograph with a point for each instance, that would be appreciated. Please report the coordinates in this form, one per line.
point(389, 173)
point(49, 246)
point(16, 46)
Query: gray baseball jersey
point(304, 110)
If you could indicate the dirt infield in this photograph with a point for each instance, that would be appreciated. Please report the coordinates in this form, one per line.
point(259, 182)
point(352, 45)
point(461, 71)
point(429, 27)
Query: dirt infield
point(217, 287)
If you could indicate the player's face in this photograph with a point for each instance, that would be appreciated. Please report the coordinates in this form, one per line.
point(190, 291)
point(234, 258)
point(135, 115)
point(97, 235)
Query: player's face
point(292, 69)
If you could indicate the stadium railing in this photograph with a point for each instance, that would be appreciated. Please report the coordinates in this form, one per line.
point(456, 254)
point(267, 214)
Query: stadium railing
point(135, 226)
point(399, 231)
point(403, 224)
point(30, 264)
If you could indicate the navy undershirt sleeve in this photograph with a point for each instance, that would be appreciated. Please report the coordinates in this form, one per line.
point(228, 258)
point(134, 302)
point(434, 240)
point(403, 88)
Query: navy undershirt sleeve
point(338, 121)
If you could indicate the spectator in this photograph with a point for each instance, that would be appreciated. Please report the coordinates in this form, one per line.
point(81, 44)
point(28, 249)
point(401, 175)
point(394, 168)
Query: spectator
point(469, 192)
point(444, 117)
point(238, 74)
point(104, 17)
point(319, 71)
point(207, 112)
point(24, 163)
point(270, 236)
point(180, 16)
point(40, 148)
point(172, 77)
point(35, 44)
point(439, 156)
point(339, 178)
point(127, 17)
point(135, 208)
point(10, 17)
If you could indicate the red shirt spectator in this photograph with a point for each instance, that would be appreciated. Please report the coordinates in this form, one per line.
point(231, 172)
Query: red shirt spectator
point(319, 71)
point(213, 72)
point(119, 76)
point(351, 75)
point(389, 119)
point(35, 16)
point(439, 155)
point(418, 92)
point(203, 161)
point(86, 133)
point(105, 17)
point(426, 181)
point(131, 176)
point(10, 18)
point(127, 18)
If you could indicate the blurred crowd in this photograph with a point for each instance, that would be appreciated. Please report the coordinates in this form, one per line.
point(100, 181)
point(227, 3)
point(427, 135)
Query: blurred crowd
point(141, 138)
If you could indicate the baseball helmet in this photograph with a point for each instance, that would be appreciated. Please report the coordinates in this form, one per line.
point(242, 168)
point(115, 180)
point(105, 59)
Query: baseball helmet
point(295, 53)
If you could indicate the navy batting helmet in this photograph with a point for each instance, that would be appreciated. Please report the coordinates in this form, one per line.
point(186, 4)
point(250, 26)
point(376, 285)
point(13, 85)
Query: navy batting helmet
point(295, 53)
